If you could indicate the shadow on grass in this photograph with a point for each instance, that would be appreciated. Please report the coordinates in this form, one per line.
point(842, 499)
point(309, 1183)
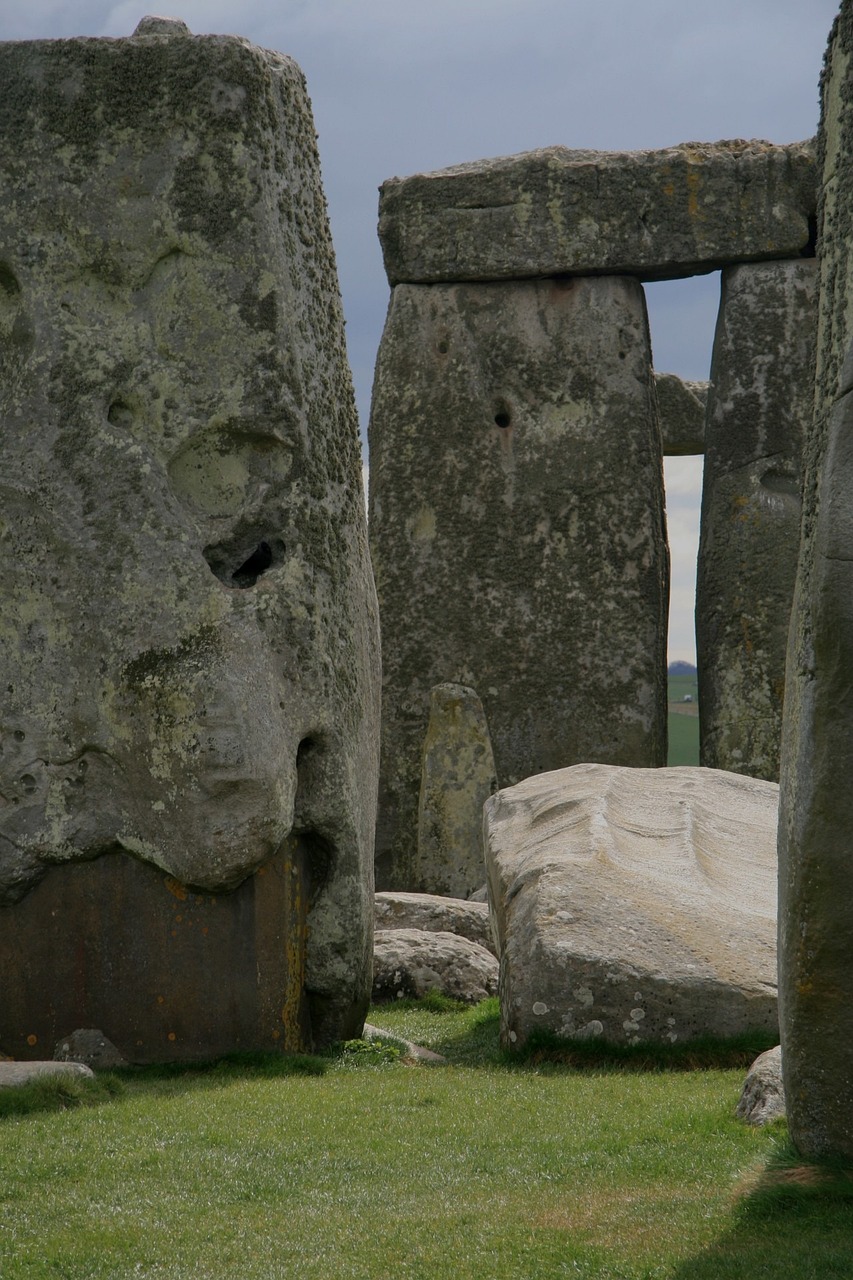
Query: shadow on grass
point(61, 1093)
point(796, 1223)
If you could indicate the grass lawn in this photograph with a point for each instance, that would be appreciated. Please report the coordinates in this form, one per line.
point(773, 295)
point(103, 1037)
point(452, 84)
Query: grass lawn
point(683, 720)
point(357, 1166)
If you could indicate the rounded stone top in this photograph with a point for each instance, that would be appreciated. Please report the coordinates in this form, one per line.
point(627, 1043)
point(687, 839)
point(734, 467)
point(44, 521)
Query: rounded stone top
point(154, 25)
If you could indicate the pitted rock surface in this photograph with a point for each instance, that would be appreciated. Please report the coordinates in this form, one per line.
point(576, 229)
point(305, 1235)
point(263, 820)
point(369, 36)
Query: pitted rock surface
point(634, 904)
point(654, 214)
point(188, 632)
point(762, 1098)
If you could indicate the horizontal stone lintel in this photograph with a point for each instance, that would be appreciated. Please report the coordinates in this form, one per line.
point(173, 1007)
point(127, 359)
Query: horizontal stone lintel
point(664, 214)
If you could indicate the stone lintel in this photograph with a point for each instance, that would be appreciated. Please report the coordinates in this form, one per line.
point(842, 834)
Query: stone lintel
point(658, 215)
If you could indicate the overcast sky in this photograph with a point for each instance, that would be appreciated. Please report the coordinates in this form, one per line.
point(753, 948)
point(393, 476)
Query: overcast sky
point(401, 86)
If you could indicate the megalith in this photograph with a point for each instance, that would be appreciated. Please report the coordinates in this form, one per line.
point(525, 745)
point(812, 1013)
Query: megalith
point(816, 804)
point(188, 630)
point(759, 405)
point(517, 530)
point(457, 778)
point(681, 406)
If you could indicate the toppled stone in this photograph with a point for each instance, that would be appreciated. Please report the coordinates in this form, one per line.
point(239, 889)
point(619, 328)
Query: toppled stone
point(681, 405)
point(457, 777)
point(188, 631)
point(759, 408)
point(466, 918)
point(416, 1052)
point(634, 904)
point(517, 531)
point(91, 1047)
point(15, 1074)
point(816, 802)
point(762, 1099)
point(411, 963)
point(654, 214)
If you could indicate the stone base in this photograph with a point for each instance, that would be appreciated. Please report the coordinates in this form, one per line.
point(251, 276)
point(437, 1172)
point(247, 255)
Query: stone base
point(170, 974)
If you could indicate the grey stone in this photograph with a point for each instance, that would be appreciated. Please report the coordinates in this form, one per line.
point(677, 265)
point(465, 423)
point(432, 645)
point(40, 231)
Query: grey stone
point(634, 904)
point(681, 405)
point(91, 1047)
point(760, 404)
point(15, 1074)
point(517, 531)
point(411, 963)
point(654, 214)
point(468, 919)
point(480, 895)
point(457, 777)
point(762, 1098)
point(816, 807)
point(188, 631)
point(154, 25)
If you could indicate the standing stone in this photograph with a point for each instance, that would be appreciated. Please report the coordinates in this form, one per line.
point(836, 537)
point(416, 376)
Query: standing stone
point(760, 402)
point(188, 633)
point(517, 531)
point(681, 405)
point(654, 214)
point(457, 778)
point(816, 809)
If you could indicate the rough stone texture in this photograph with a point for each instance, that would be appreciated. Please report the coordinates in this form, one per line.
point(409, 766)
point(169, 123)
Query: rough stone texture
point(91, 1047)
point(188, 639)
point(634, 904)
point(760, 404)
point(816, 808)
point(427, 911)
point(517, 531)
point(681, 405)
point(15, 1074)
point(762, 1099)
point(654, 214)
point(411, 963)
point(457, 778)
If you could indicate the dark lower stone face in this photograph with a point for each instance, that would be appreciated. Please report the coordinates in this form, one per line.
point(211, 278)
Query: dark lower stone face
point(167, 972)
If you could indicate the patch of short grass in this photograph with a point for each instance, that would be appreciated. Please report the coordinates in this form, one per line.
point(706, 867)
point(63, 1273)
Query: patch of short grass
point(476, 1169)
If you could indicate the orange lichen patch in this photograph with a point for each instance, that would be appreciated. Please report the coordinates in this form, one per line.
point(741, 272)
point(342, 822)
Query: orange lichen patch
point(694, 187)
point(161, 999)
point(31, 1040)
point(180, 891)
point(171, 1036)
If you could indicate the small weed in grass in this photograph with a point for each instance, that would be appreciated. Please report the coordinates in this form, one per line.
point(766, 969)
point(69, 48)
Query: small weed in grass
point(58, 1093)
point(372, 1053)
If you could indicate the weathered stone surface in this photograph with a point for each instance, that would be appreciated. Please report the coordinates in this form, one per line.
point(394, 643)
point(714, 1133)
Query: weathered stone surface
point(428, 911)
point(15, 1074)
point(654, 214)
point(457, 778)
point(188, 639)
point(760, 403)
point(634, 904)
point(816, 808)
point(413, 962)
point(517, 531)
point(762, 1099)
point(91, 1047)
point(681, 405)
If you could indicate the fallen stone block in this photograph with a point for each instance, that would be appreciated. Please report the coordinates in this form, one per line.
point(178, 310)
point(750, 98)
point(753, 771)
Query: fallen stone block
point(654, 214)
point(762, 1098)
point(411, 963)
point(634, 904)
point(15, 1074)
point(91, 1047)
point(464, 917)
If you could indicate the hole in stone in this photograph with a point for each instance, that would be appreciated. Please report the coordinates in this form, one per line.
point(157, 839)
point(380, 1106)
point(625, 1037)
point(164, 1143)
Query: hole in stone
point(8, 280)
point(503, 418)
point(28, 782)
point(120, 414)
point(252, 568)
point(810, 250)
point(19, 735)
point(240, 560)
point(443, 346)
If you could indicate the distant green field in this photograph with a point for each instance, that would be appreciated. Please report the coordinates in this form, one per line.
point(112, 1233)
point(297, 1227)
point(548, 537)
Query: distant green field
point(683, 728)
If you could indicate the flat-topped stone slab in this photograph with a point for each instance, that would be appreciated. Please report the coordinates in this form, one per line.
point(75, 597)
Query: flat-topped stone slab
point(654, 214)
point(15, 1074)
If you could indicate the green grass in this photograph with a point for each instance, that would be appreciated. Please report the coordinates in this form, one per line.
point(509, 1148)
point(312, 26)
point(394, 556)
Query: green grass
point(683, 730)
point(359, 1166)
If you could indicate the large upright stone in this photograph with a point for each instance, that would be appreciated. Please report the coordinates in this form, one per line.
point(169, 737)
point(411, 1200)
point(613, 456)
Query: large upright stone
point(681, 405)
point(816, 811)
point(188, 640)
point(457, 778)
point(760, 403)
point(654, 214)
point(517, 530)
